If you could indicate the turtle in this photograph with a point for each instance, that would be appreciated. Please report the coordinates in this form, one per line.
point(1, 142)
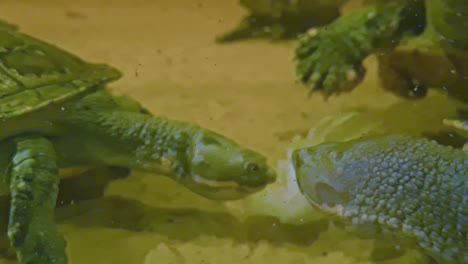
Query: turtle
point(57, 112)
point(281, 19)
point(420, 44)
point(406, 191)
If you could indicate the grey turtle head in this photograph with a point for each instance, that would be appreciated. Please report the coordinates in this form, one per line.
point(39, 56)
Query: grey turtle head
point(320, 174)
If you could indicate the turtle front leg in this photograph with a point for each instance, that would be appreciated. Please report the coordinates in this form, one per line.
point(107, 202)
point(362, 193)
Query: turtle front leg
point(34, 188)
point(329, 58)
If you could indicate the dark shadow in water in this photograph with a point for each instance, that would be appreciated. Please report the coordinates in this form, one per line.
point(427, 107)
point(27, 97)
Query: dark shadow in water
point(79, 187)
point(81, 203)
point(185, 224)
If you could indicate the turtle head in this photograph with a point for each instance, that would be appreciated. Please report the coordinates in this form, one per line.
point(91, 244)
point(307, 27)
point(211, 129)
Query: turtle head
point(221, 169)
point(321, 177)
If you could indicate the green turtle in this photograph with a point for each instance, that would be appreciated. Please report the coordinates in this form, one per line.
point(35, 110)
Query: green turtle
point(281, 19)
point(55, 112)
point(404, 190)
point(419, 44)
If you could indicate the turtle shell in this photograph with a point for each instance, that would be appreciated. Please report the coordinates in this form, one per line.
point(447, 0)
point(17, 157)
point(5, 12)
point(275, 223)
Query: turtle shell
point(35, 74)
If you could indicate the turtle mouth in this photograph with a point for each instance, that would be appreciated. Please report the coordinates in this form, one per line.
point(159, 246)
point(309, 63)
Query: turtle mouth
point(226, 184)
point(222, 190)
point(215, 184)
point(329, 208)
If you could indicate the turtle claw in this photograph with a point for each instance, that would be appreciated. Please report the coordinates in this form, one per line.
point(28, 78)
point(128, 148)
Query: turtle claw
point(323, 67)
point(329, 58)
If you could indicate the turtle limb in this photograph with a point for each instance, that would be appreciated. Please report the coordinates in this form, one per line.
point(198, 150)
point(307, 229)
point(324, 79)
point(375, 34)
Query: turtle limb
point(34, 188)
point(329, 59)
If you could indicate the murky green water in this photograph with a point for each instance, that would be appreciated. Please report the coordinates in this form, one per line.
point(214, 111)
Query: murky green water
point(246, 91)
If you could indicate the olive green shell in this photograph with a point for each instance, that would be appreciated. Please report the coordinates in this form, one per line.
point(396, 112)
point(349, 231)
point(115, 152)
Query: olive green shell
point(34, 74)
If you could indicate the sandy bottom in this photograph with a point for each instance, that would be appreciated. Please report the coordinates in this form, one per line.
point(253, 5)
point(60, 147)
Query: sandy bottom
point(246, 91)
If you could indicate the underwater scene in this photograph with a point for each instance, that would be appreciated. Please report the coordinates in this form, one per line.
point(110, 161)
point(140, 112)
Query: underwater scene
point(234, 131)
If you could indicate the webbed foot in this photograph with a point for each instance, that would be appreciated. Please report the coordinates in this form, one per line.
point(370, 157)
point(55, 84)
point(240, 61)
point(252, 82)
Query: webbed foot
point(329, 59)
point(325, 65)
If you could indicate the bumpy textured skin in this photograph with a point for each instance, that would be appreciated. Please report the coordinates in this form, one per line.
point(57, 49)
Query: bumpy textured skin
point(329, 58)
point(34, 189)
point(405, 34)
point(408, 190)
point(281, 19)
point(56, 114)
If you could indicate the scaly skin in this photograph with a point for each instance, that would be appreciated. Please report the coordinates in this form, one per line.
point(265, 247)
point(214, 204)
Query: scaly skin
point(34, 190)
point(102, 130)
point(330, 57)
point(55, 113)
point(206, 162)
point(411, 191)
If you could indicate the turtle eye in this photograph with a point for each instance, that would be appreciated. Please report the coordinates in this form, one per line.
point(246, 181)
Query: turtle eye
point(252, 167)
point(418, 90)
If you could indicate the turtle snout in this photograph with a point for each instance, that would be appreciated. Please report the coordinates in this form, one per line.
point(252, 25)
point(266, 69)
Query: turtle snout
point(297, 158)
